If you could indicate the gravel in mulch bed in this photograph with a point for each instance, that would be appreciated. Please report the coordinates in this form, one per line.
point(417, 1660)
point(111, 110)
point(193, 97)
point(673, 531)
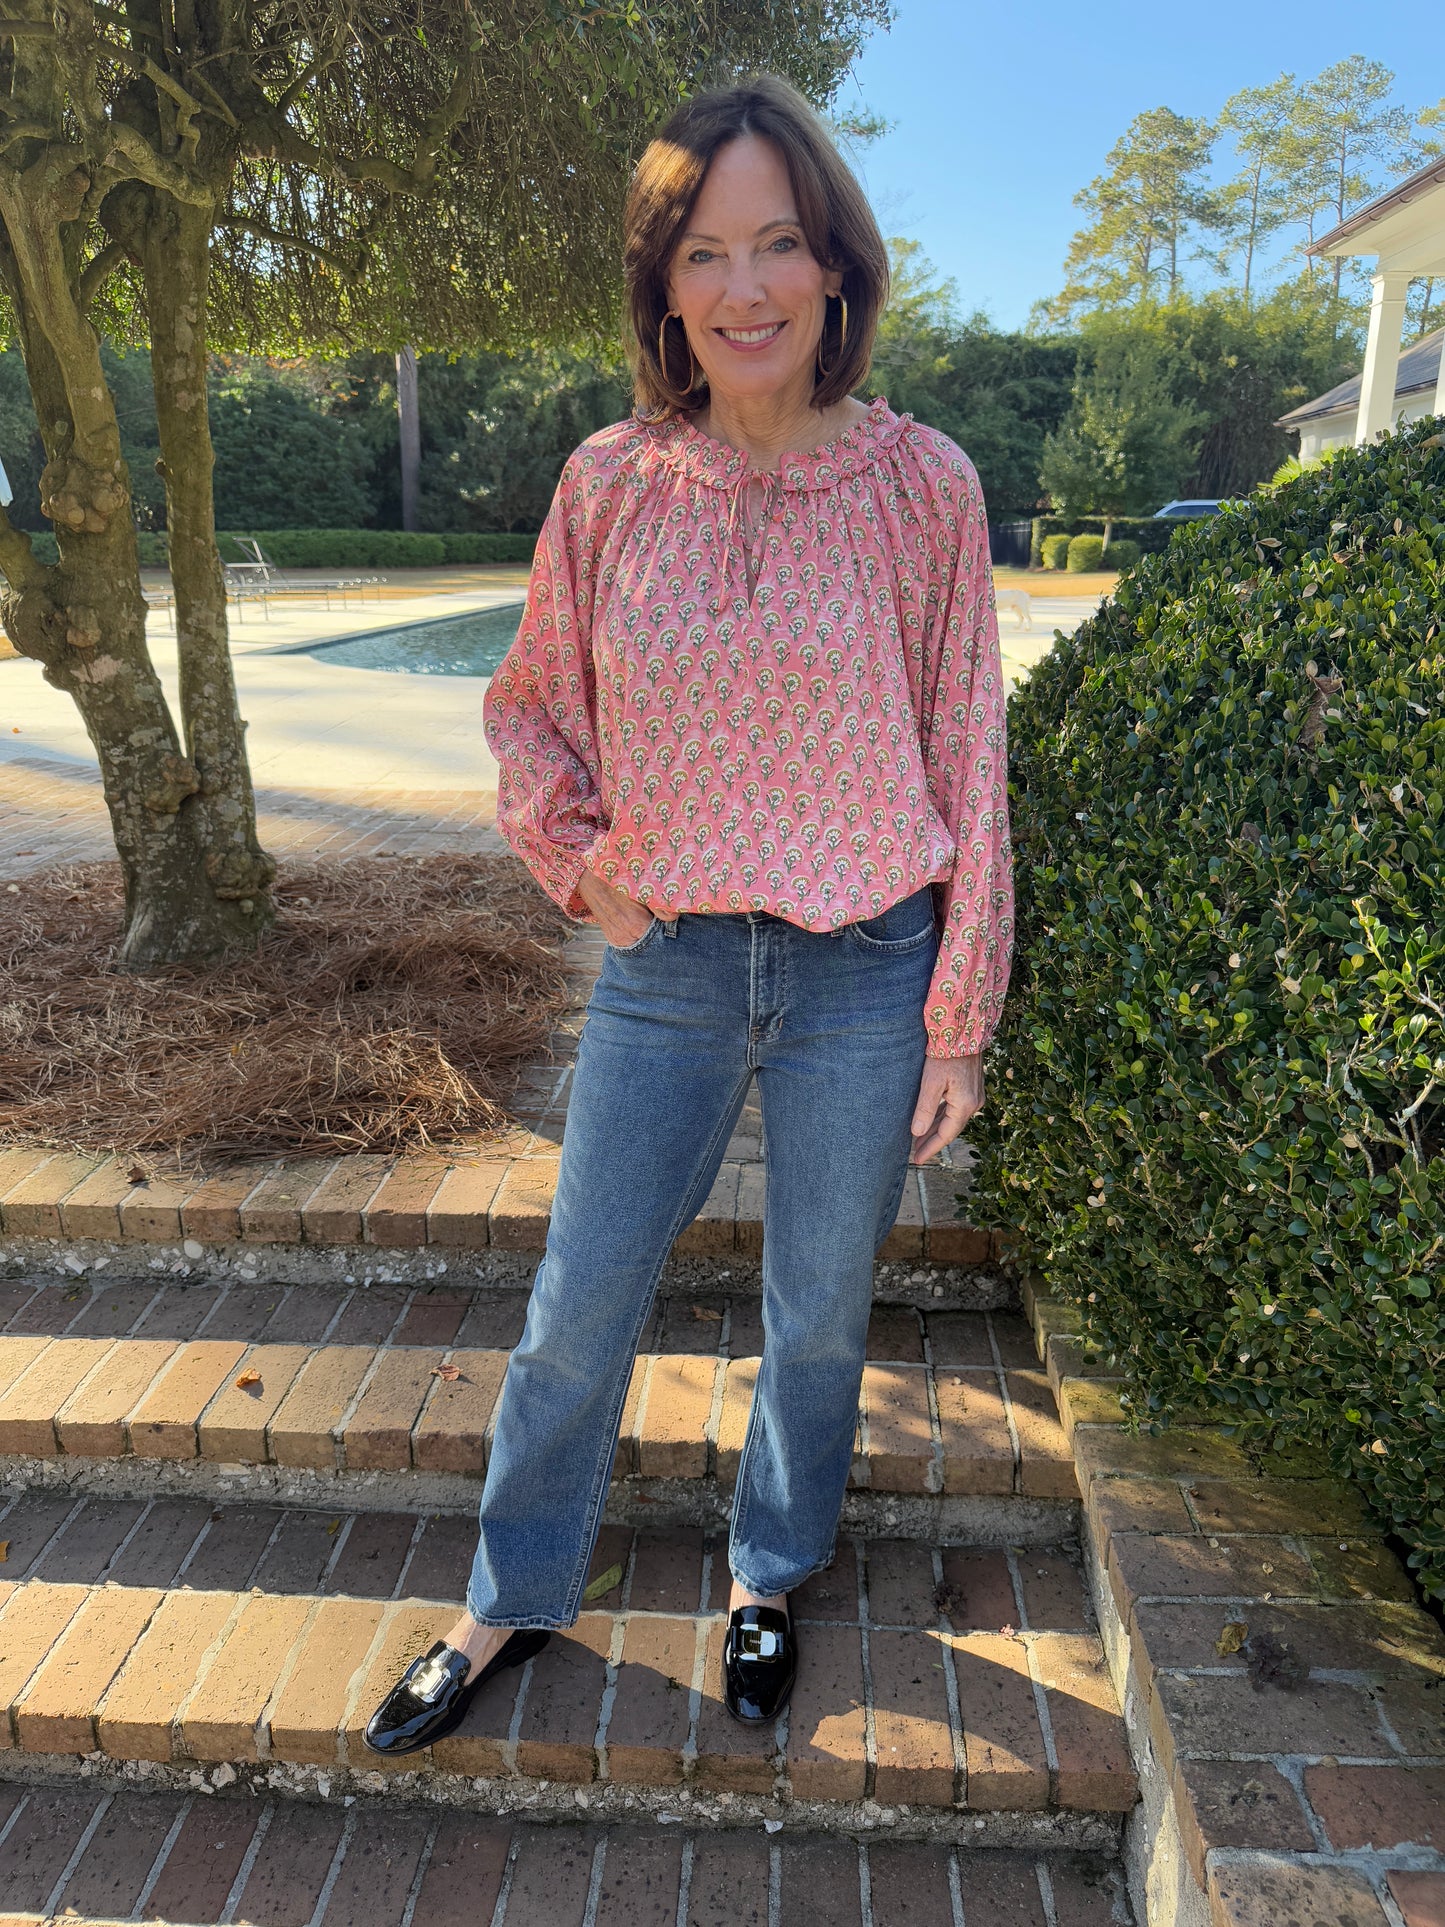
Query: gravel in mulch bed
point(391, 1007)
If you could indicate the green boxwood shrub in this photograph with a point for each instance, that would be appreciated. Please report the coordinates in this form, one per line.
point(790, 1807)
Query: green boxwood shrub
point(381, 548)
point(1122, 555)
point(1149, 531)
point(1221, 1126)
point(1055, 551)
point(341, 548)
point(1086, 553)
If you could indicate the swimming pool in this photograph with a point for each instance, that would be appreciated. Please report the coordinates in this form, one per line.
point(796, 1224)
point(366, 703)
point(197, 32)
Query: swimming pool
point(469, 645)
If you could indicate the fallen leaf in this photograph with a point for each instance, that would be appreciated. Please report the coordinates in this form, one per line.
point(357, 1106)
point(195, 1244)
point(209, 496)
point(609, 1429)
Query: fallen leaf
point(706, 1311)
point(333, 1528)
point(247, 1380)
point(448, 1372)
point(603, 1583)
point(4, 1550)
point(1231, 1639)
point(949, 1599)
point(138, 1176)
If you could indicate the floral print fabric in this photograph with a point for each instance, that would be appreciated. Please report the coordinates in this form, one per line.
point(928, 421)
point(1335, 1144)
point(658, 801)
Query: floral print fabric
point(819, 748)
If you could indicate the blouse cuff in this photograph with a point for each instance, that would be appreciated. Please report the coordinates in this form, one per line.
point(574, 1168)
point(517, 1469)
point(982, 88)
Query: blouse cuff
point(565, 870)
point(952, 1040)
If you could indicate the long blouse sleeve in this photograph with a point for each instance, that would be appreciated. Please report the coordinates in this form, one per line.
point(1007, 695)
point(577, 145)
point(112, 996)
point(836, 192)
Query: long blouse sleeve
point(965, 761)
point(539, 713)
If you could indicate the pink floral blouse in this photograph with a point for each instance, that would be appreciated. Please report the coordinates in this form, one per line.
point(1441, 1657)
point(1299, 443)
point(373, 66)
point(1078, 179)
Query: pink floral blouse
point(818, 749)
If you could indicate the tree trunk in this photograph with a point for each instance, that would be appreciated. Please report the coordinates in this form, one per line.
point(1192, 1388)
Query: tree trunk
point(84, 619)
point(176, 258)
point(409, 423)
point(1108, 532)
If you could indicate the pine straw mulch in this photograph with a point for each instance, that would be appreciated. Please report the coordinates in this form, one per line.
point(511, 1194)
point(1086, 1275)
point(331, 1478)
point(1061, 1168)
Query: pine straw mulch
point(391, 1007)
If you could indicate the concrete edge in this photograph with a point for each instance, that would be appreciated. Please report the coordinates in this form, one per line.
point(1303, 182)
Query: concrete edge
point(1062, 1831)
point(925, 1283)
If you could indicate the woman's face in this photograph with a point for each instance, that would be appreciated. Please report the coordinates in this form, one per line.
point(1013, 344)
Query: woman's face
point(751, 295)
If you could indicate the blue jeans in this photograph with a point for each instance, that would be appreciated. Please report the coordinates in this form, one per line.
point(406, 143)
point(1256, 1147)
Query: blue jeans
point(832, 1026)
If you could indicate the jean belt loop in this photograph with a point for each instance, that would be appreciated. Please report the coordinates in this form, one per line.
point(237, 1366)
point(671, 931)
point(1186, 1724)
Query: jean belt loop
point(669, 925)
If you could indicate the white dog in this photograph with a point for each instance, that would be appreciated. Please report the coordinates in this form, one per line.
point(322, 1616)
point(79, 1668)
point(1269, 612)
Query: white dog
point(1020, 602)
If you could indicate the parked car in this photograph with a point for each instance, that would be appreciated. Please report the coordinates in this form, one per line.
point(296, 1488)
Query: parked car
point(1185, 511)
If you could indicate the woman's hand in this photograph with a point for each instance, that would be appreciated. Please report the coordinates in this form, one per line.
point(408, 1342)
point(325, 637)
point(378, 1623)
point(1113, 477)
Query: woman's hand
point(950, 1092)
point(621, 921)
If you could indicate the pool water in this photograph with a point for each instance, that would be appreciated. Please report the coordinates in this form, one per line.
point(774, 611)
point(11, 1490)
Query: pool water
point(469, 645)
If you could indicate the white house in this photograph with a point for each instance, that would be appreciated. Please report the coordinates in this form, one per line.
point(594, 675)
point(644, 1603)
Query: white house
point(1332, 420)
point(1405, 231)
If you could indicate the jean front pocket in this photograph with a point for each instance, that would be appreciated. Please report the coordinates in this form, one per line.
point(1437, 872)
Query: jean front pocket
point(903, 926)
point(631, 949)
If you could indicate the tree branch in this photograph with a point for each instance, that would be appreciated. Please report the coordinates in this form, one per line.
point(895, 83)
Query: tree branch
point(21, 566)
point(23, 130)
point(285, 144)
point(98, 270)
point(139, 161)
point(164, 83)
point(279, 238)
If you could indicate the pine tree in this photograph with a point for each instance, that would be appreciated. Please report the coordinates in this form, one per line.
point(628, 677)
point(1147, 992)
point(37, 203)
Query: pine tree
point(1257, 201)
point(1344, 136)
point(1141, 212)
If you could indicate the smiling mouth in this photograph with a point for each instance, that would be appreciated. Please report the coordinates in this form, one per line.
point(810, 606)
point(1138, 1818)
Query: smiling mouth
point(752, 337)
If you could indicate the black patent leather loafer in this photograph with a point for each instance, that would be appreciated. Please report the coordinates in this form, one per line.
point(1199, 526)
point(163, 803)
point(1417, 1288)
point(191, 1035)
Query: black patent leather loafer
point(759, 1661)
point(431, 1697)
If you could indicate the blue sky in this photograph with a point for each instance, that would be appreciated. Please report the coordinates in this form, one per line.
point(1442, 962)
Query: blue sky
point(1003, 112)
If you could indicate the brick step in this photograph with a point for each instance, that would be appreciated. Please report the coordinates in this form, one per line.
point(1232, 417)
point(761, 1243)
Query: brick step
point(962, 1424)
point(89, 1857)
point(955, 1679)
point(497, 1198)
point(697, 1320)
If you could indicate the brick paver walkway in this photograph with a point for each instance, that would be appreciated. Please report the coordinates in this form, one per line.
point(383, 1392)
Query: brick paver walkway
point(1288, 1672)
point(53, 812)
point(67, 1852)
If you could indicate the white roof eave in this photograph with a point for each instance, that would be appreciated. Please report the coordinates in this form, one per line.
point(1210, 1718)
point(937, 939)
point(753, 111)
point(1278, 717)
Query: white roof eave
point(1405, 228)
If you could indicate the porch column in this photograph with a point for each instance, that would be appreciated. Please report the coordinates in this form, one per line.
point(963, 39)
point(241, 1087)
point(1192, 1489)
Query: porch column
point(1382, 354)
point(1440, 384)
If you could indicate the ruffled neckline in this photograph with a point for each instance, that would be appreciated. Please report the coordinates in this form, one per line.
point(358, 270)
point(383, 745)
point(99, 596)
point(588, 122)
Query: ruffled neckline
point(684, 448)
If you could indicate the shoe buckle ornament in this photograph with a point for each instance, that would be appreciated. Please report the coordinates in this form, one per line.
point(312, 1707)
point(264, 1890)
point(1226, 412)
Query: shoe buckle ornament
point(430, 1680)
point(758, 1642)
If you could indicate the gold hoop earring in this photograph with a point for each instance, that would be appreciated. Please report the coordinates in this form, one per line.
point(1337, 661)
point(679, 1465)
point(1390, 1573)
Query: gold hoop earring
point(823, 372)
point(672, 315)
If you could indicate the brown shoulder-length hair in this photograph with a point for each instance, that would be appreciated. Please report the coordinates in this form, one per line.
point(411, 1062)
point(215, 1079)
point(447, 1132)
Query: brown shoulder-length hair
point(836, 219)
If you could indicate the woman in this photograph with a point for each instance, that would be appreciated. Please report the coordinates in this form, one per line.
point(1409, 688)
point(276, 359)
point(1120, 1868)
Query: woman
point(752, 725)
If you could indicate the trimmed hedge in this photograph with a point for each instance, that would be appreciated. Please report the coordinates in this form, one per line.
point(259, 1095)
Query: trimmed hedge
point(340, 548)
point(1148, 531)
point(1085, 554)
point(380, 548)
point(1221, 1129)
point(1055, 551)
point(1122, 555)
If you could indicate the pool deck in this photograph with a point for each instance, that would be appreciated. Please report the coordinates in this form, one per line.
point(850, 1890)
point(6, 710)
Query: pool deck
point(344, 759)
point(316, 723)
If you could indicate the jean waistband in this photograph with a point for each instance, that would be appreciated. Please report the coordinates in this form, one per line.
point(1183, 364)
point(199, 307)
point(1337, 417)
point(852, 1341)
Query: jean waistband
point(746, 919)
